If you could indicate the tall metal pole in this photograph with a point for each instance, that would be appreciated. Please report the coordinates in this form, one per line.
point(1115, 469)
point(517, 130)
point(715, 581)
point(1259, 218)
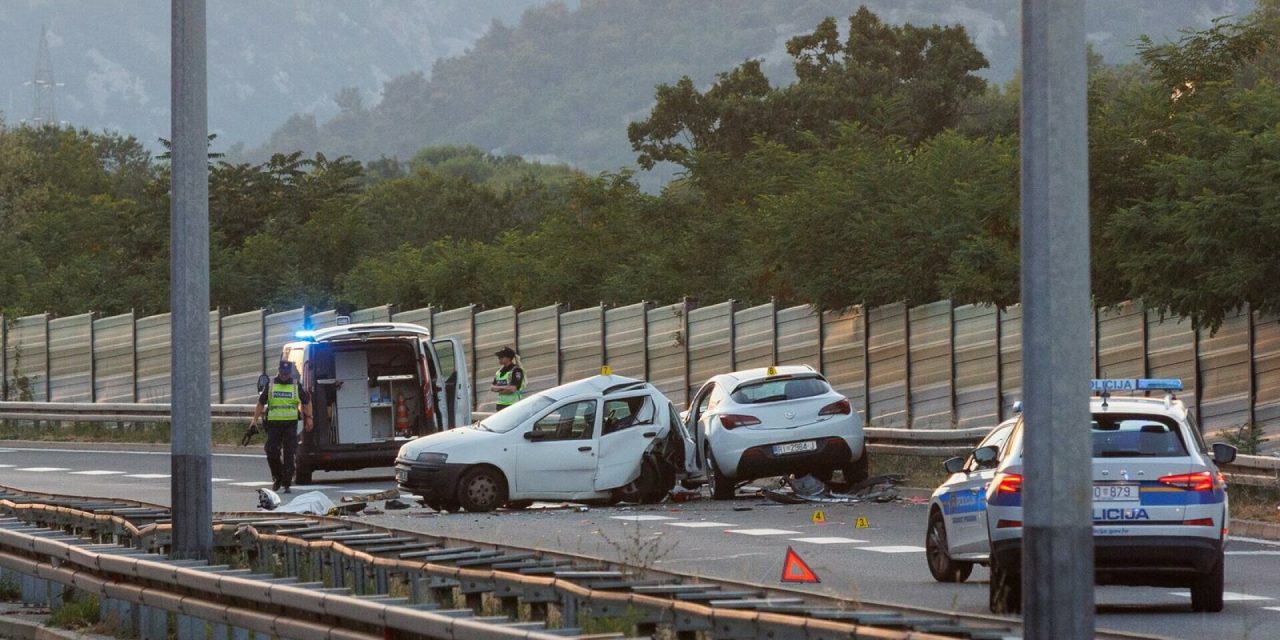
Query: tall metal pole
point(1057, 554)
point(192, 488)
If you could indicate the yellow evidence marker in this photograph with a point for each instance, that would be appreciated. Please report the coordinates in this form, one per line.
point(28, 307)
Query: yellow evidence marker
point(606, 370)
point(861, 523)
point(819, 517)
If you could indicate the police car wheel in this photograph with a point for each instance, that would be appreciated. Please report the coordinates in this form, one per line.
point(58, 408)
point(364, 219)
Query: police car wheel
point(1206, 593)
point(481, 489)
point(1005, 595)
point(937, 553)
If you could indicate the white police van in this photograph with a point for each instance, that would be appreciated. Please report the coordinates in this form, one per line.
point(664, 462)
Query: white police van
point(956, 538)
point(1159, 502)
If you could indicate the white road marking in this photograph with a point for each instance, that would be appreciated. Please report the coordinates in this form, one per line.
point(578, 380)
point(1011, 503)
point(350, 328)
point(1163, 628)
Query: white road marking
point(7, 466)
point(764, 532)
point(700, 525)
point(1269, 543)
point(828, 540)
point(43, 469)
point(1227, 596)
point(97, 472)
point(148, 476)
point(641, 518)
point(1272, 608)
point(1253, 553)
point(255, 483)
point(220, 479)
point(732, 557)
point(893, 549)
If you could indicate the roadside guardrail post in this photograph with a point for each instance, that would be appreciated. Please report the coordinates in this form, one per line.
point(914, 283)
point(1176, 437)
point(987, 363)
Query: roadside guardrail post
point(34, 590)
point(191, 628)
point(568, 611)
point(337, 570)
point(381, 582)
point(153, 623)
point(360, 576)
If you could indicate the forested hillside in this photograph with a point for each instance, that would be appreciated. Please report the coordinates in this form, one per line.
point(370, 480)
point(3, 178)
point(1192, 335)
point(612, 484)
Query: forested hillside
point(807, 192)
point(562, 84)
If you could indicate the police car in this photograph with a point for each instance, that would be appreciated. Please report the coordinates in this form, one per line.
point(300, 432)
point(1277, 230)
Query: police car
point(956, 538)
point(1159, 503)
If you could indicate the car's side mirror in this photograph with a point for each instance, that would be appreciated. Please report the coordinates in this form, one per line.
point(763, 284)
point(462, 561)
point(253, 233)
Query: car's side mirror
point(985, 456)
point(1224, 453)
point(264, 381)
point(954, 465)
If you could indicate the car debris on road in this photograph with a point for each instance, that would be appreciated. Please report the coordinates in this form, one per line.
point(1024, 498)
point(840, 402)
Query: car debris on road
point(808, 489)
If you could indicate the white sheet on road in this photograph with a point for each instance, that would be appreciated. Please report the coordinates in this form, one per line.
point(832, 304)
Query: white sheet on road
point(309, 502)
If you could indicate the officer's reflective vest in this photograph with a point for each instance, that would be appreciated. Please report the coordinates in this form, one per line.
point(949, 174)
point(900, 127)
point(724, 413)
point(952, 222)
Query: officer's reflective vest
point(282, 404)
point(501, 379)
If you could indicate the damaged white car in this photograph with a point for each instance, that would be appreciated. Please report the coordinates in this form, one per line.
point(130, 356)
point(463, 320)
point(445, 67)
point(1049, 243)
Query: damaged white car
point(607, 438)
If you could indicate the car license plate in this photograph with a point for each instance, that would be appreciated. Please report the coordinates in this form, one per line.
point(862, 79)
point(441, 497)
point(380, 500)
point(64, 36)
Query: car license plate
point(1127, 492)
point(402, 475)
point(795, 447)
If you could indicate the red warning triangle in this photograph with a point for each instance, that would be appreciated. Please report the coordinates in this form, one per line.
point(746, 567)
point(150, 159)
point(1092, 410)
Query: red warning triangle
point(795, 570)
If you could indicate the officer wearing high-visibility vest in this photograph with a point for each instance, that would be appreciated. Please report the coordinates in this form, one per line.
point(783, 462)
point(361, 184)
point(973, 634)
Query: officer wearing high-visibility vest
point(508, 382)
point(284, 401)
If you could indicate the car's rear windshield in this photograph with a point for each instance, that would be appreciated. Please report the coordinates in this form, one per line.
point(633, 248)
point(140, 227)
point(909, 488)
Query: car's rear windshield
point(778, 390)
point(1136, 436)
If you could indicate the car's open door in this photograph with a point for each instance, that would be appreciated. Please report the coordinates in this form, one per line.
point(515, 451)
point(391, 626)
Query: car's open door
point(453, 382)
point(630, 424)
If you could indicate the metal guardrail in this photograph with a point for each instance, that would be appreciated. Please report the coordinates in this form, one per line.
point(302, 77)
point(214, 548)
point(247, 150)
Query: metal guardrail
point(331, 577)
point(1247, 469)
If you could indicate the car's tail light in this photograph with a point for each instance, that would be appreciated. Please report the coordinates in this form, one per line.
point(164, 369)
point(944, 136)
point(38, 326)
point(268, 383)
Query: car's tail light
point(1199, 522)
point(730, 421)
point(841, 408)
point(1199, 481)
point(1008, 483)
point(1008, 524)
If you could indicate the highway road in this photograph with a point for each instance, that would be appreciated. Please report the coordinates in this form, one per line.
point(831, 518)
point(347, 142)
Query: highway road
point(745, 539)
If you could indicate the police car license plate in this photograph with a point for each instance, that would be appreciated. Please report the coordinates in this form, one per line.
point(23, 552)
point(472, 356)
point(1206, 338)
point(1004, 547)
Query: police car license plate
point(795, 447)
point(1124, 492)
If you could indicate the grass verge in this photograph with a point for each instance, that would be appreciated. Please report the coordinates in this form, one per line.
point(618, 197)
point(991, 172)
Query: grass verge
point(79, 612)
point(124, 432)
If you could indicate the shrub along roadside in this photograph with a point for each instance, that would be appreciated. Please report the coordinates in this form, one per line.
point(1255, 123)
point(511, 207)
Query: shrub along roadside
point(129, 432)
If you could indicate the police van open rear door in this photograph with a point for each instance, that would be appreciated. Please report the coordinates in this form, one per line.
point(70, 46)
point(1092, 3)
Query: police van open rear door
point(453, 393)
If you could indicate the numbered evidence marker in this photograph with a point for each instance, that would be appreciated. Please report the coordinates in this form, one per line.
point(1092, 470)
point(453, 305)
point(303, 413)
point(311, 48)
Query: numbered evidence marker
point(861, 523)
point(795, 570)
point(819, 517)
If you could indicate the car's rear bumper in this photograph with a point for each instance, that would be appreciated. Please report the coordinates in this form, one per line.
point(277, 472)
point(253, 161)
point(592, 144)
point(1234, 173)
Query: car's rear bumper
point(760, 461)
point(1136, 560)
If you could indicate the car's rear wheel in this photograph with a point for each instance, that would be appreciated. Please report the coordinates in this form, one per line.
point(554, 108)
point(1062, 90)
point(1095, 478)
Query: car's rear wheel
point(1005, 594)
point(639, 490)
point(481, 489)
point(1206, 592)
point(857, 470)
point(721, 487)
point(937, 553)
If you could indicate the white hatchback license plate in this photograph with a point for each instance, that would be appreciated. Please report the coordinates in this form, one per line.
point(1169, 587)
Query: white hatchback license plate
point(795, 447)
point(1127, 492)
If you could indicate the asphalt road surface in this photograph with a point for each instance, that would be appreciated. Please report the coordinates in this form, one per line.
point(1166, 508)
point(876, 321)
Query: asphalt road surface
point(744, 539)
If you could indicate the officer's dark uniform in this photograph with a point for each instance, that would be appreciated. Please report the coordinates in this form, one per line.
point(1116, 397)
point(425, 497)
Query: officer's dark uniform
point(283, 399)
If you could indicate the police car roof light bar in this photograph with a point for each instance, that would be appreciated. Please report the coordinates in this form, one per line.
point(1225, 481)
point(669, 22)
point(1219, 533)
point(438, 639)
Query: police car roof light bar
point(1105, 386)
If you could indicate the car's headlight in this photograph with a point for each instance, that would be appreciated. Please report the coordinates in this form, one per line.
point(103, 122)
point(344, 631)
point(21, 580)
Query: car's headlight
point(431, 457)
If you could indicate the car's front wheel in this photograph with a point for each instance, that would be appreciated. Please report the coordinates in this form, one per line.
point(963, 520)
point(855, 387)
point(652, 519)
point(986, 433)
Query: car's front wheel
point(721, 487)
point(481, 489)
point(937, 553)
point(639, 490)
point(1206, 592)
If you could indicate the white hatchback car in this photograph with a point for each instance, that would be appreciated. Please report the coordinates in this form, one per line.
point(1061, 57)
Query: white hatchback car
point(604, 438)
point(767, 422)
point(1159, 503)
point(956, 538)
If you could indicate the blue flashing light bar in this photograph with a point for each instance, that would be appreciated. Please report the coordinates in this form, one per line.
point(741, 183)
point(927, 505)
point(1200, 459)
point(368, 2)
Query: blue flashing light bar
point(304, 334)
point(1112, 385)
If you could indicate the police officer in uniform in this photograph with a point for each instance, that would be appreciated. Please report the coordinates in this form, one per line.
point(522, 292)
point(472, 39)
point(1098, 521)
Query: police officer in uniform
point(508, 382)
point(285, 401)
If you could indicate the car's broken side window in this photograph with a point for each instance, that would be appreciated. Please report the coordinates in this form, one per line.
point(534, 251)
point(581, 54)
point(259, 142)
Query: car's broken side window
point(573, 421)
point(623, 413)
